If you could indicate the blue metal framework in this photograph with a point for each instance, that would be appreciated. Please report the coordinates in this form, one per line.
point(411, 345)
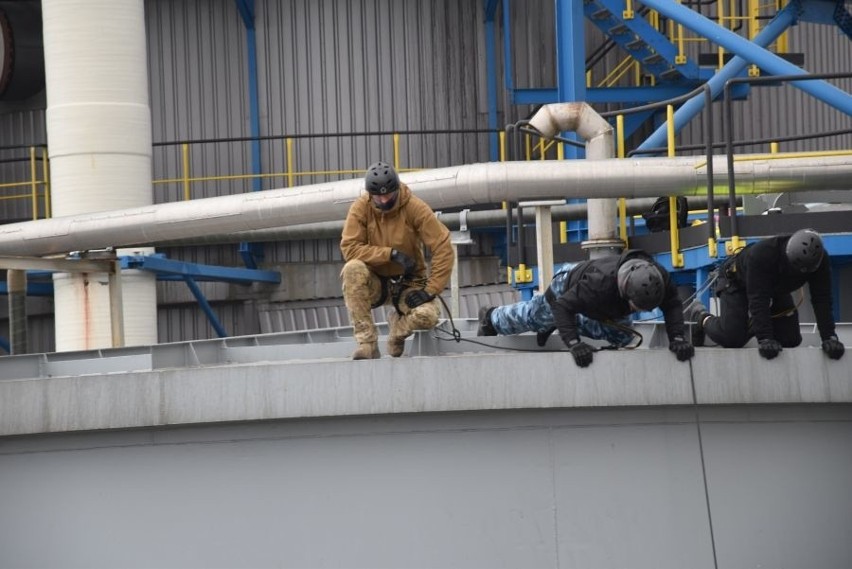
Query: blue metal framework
point(636, 36)
point(777, 26)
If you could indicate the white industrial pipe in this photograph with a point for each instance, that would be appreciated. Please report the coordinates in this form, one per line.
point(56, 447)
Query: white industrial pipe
point(441, 188)
point(581, 118)
point(99, 132)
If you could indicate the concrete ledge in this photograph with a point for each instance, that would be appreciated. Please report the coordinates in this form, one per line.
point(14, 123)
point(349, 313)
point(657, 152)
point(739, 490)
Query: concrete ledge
point(461, 382)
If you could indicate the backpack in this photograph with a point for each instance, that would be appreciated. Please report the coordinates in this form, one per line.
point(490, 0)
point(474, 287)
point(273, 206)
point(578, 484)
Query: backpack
point(657, 219)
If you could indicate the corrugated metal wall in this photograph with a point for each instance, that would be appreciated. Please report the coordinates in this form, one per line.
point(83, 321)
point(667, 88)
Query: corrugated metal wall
point(20, 128)
point(358, 66)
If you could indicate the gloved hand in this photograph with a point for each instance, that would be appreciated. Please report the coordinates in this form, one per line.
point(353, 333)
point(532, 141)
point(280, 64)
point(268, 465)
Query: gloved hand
point(833, 348)
point(681, 348)
point(417, 297)
point(769, 348)
point(582, 353)
point(406, 262)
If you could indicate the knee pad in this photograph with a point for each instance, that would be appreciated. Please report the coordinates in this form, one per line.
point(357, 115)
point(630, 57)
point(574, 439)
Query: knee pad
point(425, 316)
point(355, 273)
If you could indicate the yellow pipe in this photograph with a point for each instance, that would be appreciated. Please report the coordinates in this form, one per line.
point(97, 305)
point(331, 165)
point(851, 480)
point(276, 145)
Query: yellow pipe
point(773, 147)
point(721, 7)
point(622, 202)
point(45, 166)
point(34, 182)
point(290, 178)
point(563, 225)
point(185, 152)
point(674, 233)
point(680, 58)
point(502, 138)
point(785, 155)
point(396, 151)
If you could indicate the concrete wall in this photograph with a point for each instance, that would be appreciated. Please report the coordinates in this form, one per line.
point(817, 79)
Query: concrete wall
point(279, 451)
point(549, 488)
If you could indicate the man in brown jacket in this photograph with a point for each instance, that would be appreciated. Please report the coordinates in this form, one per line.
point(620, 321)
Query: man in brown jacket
point(382, 244)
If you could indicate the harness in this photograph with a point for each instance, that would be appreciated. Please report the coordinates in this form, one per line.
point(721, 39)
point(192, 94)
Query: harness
point(392, 287)
point(383, 296)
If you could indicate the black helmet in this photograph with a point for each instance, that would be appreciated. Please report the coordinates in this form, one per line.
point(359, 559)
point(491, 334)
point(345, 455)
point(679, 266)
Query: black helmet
point(641, 283)
point(805, 250)
point(381, 179)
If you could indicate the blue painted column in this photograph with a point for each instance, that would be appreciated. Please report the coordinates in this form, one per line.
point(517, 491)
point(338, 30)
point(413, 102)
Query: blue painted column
point(782, 20)
point(491, 74)
point(570, 59)
point(767, 61)
point(251, 252)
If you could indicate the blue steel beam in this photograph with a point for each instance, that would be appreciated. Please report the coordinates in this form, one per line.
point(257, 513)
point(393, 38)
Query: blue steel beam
point(570, 59)
point(205, 306)
point(250, 252)
point(782, 20)
point(168, 268)
point(627, 95)
point(491, 74)
point(767, 61)
point(508, 78)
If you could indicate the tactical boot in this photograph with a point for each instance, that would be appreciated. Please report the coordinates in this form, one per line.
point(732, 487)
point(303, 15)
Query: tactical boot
point(541, 337)
point(695, 313)
point(396, 346)
point(485, 326)
point(367, 351)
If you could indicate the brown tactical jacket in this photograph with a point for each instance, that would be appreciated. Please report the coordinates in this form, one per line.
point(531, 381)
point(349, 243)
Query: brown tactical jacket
point(370, 234)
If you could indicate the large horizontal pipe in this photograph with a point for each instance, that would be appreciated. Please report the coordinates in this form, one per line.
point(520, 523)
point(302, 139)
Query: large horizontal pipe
point(473, 219)
point(456, 186)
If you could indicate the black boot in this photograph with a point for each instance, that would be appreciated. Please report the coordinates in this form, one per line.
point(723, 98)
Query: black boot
point(695, 314)
point(541, 337)
point(485, 326)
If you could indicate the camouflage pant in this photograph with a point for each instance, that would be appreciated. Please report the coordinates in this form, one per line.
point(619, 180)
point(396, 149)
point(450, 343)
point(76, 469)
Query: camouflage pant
point(535, 315)
point(362, 289)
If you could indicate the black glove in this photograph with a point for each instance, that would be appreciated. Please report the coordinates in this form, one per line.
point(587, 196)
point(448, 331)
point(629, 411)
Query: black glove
point(833, 348)
point(681, 348)
point(769, 348)
point(403, 260)
point(582, 353)
point(417, 297)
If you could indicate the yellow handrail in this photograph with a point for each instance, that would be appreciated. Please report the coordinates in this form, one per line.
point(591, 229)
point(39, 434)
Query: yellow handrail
point(185, 153)
point(45, 172)
point(34, 182)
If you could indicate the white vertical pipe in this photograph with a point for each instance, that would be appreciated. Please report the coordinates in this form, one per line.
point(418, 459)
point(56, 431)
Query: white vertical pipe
point(598, 134)
point(99, 134)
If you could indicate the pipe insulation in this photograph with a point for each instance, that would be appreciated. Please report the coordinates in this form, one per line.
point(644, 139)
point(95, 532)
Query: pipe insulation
point(598, 134)
point(99, 132)
point(489, 218)
point(441, 188)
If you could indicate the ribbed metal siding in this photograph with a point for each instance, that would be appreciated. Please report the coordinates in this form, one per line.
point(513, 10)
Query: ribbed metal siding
point(24, 127)
point(335, 66)
point(188, 322)
point(198, 86)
